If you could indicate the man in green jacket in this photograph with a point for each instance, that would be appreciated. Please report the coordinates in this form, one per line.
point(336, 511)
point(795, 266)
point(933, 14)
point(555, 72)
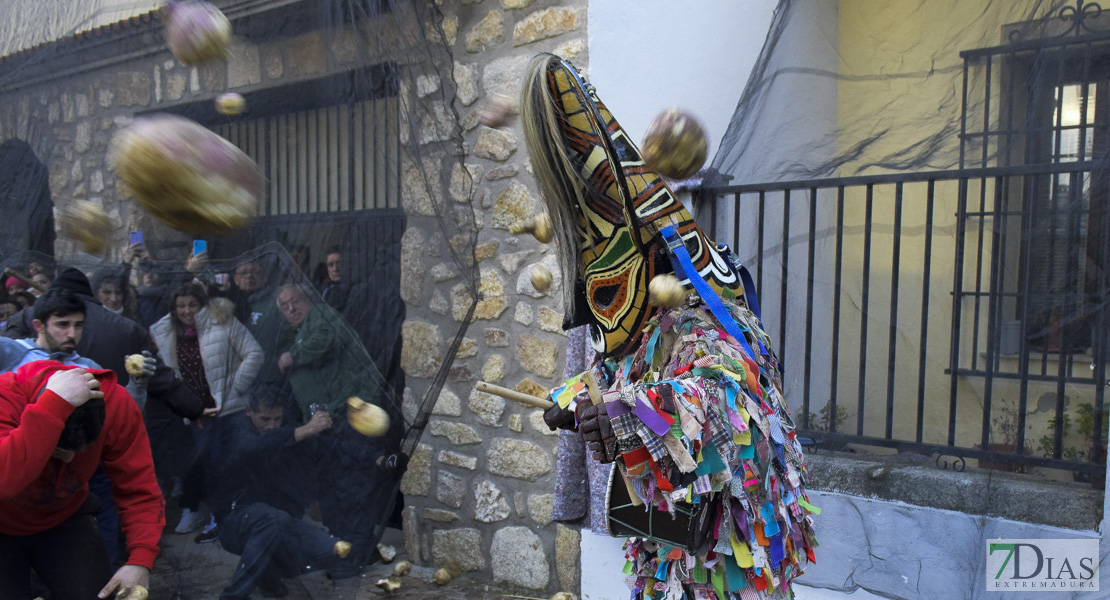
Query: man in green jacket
point(323, 359)
point(326, 365)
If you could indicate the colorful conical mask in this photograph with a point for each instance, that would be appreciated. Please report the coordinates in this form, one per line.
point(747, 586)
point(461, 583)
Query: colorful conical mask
point(607, 208)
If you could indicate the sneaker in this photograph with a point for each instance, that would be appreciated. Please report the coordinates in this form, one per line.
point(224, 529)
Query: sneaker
point(210, 533)
point(191, 520)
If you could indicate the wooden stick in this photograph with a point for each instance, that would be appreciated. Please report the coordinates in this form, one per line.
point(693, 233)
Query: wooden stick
point(525, 399)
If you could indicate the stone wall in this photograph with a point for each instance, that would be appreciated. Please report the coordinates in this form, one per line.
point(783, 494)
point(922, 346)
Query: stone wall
point(479, 486)
point(478, 489)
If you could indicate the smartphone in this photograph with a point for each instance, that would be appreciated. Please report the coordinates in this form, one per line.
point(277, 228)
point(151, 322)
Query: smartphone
point(199, 246)
point(136, 238)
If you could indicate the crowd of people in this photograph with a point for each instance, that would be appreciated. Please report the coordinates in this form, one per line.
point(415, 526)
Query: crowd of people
point(242, 390)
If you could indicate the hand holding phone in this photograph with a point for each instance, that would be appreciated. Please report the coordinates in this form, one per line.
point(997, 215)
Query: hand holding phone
point(199, 247)
point(136, 238)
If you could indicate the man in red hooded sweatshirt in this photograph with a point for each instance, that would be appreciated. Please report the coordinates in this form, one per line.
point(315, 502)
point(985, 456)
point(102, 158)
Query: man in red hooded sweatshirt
point(57, 422)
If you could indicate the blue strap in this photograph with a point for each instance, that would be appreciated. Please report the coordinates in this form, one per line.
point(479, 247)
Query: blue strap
point(675, 245)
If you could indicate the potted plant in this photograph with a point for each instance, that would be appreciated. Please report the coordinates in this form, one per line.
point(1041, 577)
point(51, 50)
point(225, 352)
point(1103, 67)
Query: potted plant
point(1005, 423)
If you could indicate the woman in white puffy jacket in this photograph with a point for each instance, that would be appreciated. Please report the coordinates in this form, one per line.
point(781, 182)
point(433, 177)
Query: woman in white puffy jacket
point(217, 358)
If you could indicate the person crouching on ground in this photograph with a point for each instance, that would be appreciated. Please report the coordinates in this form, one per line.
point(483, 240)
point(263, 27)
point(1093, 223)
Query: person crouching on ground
point(57, 423)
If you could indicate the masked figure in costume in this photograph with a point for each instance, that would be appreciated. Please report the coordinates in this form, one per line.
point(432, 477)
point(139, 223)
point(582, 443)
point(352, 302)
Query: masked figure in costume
point(685, 400)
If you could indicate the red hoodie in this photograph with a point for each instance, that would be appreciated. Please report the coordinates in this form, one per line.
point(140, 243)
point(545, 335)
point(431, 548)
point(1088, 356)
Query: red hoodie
point(38, 492)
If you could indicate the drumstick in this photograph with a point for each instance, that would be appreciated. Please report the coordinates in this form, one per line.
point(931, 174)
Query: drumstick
point(525, 399)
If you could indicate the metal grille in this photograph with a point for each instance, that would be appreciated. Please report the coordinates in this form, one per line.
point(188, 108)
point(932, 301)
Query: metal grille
point(336, 158)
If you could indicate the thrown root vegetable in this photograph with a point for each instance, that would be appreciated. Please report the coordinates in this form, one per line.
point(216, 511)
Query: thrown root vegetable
point(442, 577)
point(185, 175)
point(665, 290)
point(388, 553)
point(342, 548)
point(389, 584)
point(87, 223)
point(134, 365)
point(541, 279)
point(196, 32)
point(133, 593)
point(369, 420)
point(402, 568)
point(230, 104)
point(540, 227)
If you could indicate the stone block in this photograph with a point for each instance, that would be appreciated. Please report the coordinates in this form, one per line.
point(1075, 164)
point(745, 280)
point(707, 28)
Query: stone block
point(421, 355)
point(488, 33)
point(82, 141)
point(485, 251)
point(461, 374)
point(467, 348)
point(545, 24)
point(536, 355)
point(275, 67)
point(413, 265)
point(133, 88)
point(454, 459)
point(531, 388)
point(535, 420)
point(439, 515)
point(417, 193)
point(488, 407)
point(175, 86)
point(306, 54)
point(450, 27)
point(464, 180)
point(512, 206)
point(496, 338)
point(450, 489)
point(516, 423)
point(494, 144)
point(517, 557)
point(459, 434)
point(493, 301)
point(462, 545)
point(438, 124)
point(438, 303)
point(489, 503)
point(503, 172)
point(461, 298)
point(448, 404)
point(551, 320)
point(519, 459)
point(511, 4)
point(494, 370)
point(466, 83)
point(410, 524)
point(540, 507)
point(571, 49)
point(427, 85)
point(417, 480)
point(523, 313)
point(567, 549)
point(503, 76)
point(244, 67)
point(443, 272)
point(510, 262)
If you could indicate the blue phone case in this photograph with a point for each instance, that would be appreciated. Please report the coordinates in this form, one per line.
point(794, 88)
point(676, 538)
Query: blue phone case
point(199, 246)
point(136, 237)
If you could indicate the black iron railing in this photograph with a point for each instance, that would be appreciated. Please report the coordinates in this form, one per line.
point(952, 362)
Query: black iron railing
point(901, 306)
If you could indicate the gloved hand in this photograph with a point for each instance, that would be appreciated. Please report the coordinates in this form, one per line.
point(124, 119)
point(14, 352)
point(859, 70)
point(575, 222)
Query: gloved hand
point(593, 423)
point(149, 366)
point(559, 418)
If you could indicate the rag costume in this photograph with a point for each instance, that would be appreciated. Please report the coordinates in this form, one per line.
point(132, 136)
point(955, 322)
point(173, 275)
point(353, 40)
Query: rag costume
point(686, 401)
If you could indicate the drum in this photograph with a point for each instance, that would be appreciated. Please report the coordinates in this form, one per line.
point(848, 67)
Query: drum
point(689, 528)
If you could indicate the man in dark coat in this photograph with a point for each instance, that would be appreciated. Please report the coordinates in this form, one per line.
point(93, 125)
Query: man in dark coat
point(108, 338)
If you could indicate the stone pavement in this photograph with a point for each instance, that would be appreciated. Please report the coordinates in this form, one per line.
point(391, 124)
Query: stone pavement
point(186, 570)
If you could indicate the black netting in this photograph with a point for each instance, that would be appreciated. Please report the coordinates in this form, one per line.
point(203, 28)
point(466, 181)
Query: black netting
point(349, 118)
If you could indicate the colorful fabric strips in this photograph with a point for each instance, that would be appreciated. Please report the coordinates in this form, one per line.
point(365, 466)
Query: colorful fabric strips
point(700, 420)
